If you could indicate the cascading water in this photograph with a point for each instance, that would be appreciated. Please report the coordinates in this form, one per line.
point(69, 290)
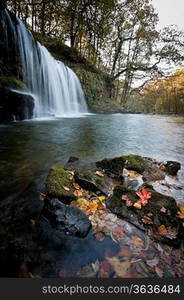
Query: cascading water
point(56, 88)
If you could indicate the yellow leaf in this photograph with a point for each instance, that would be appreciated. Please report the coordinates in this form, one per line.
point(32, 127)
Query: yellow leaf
point(42, 196)
point(181, 212)
point(82, 201)
point(93, 206)
point(101, 198)
point(162, 167)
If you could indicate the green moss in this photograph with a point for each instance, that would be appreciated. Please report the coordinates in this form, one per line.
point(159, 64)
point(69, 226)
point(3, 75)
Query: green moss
point(57, 179)
point(89, 180)
point(13, 82)
point(135, 162)
point(112, 165)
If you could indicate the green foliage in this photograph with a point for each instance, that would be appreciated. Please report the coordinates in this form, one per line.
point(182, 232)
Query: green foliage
point(12, 82)
point(118, 37)
point(160, 96)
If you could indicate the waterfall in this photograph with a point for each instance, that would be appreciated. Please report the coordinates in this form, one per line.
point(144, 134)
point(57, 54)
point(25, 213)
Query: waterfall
point(56, 88)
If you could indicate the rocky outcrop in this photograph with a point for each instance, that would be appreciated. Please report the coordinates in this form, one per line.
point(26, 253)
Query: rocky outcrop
point(158, 214)
point(172, 167)
point(65, 218)
point(15, 105)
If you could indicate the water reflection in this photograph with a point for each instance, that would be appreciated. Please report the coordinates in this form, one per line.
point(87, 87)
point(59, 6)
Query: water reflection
point(28, 149)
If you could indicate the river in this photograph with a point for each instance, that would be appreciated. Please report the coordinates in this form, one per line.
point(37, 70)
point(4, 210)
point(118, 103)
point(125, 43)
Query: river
point(29, 148)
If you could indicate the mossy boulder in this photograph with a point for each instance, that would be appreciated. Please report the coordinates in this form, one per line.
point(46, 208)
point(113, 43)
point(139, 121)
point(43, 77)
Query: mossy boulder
point(116, 165)
point(160, 210)
point(90, 181)
point(15, 105)
point(134, 162)
point(112, 166)
point(172, 167)
point(59, 185)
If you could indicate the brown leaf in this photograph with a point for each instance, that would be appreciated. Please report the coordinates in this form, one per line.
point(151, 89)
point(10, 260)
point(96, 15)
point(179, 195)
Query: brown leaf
point(163, 209)
point(99, 173)
point(105, 268)
point(147, 220)
point(137, 241)
point(181, 212)
point(137, 205)
point(66, 188)
point(159, 272)
point(162, 229)
point(150, 215)
point(162, 167)
point(76, 186)
point(121, 268)
point(42, 196)
point(118, 232)
point(78, 193)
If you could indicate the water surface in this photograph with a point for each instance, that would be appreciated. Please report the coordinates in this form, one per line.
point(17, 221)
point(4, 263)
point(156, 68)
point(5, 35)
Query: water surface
point(29, 148)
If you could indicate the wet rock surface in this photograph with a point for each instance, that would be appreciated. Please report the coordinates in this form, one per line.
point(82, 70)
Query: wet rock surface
point(92, 180)
point(68, 219)
point(113, 167)
point(159, 213)
point(172, 167)
point(15, 105)
point(108, 221)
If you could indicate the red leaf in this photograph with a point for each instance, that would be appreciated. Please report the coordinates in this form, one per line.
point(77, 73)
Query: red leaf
point(144, 196)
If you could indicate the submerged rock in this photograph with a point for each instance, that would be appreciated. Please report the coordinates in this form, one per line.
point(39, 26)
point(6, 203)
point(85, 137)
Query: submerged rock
point(159, 213)
point(59, 184)
point(65, 218)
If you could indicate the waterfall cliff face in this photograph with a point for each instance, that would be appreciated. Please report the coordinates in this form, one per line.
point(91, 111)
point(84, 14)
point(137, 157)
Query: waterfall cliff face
point(56, 88)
